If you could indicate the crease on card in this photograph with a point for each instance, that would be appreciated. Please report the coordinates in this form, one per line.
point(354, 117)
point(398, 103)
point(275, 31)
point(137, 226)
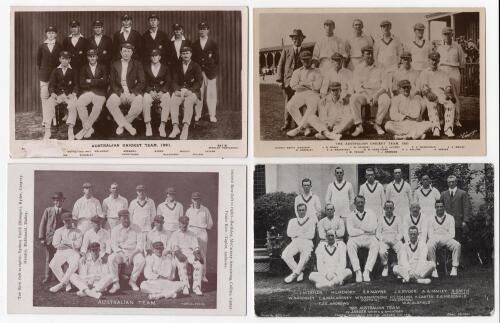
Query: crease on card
point(44, 148)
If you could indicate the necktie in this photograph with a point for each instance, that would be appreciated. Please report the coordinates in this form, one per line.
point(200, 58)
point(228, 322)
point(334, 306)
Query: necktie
point(451, 193)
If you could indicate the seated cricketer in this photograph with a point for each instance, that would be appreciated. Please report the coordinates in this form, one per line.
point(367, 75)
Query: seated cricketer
point(93, 86)
point(361, 227)
point(184, 245)
point(330, 222)
point(159, 272)
point(126, 242)
point(186, 86)
point(331, 262)
point(406, 115)
point(441, 234)
point(158, 81)
point(126, 80)
point(97, 234)
point(67, 240)
point(306, 82)
point(418, 219)
point(94, 276)
point(413, 265)
point(389, 234)
point(63, 87)
point(301, 230)
point(158, 233)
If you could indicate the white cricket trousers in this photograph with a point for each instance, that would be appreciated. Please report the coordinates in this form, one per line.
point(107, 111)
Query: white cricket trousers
point(113, 105)
point(147, 102)
point(336, 277)
point(451, 244)
point(61, 257)
point(182, 269)
point(189, 102)
point(363, 241)
point(208, 87)
point(384, 247)
point(308, 98)
point(415, 271)
point(449, 111)
point(83, 101)
point(99, 285)
point(360, 99)
point(202, 236)
point(304, 248)
point(50, 110)
point(116, 259)
point(455, 80)
point(161, 286)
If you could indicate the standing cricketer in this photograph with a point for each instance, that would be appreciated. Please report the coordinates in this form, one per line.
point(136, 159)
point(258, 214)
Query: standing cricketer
point(85, 208)
point(361, 226)
point(355, 43)
point(50, 222)
point(171, 210)
point(113, 204)
point(373, 192)
point(387, 49)
point(127, 246)
point(419, 48)
point(331, 262)
point(341, 194)
point(399, 192)
point(426, 196)
point(309, 198)
point(326, 46)
point(184, 245)
point(67, 240)
point(301, 230)
point(142, 211)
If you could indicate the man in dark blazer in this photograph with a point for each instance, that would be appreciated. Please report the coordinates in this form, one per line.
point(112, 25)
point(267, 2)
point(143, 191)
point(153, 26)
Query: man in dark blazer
point(158, 84)
point(186, 87)
point(76, 45)
point(457, 203)
point(153, 38)
point(102, 43)
point(63, 87)
point(126, 80)
point(174, 45)
point(93, 85)
point(127, 35)
point(47, 59)
point(206, 54)
point(51, 221)
point(289, 62)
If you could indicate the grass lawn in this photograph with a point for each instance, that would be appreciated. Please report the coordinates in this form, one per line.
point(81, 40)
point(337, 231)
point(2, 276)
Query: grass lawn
point(380, 297)
point(272, 107)
point(228, 126)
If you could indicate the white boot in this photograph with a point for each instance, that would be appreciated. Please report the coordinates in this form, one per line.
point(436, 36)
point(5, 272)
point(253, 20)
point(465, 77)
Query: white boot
point(149, 131)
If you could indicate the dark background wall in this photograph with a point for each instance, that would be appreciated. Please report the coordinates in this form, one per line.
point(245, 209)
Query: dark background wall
point(225, 29)
point(70, 183)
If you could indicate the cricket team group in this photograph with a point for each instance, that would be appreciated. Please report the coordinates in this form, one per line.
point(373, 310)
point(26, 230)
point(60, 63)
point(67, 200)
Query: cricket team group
point(92, 246)
point(128, 73)
point(415, 225)
point(414, 86)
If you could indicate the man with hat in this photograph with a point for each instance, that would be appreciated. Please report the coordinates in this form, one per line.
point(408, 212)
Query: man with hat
point(127, 246)
point(289, 62)
point(94, 276)
point(419, 48)
point(306, 82)
point(173, 47)
point(159, 272)
point(76, 45)
point(452, 59)
point(327, 46)
point(47, 59)
point(337, 73)
point(102, 43)
point(112, 204)
point(126, 80)
point(354, 44)
point(127, 34)
point(370, 88)
point(331, 263)
point(200, 220)
point(85, 208)
point(206, 53)
point(333, 114)
point(142, 211)
point(50, 222)
point(158, 233)
point(63, 87)
point(406, 114)
point(171, 210)
point(67, 240)
point(186, 87)
point(153, 38)
point(184, 246)
point(93, 85)
point(97, 234)
point(435, 87)
point(387, 49)
point(158, 84)
point(404, 72)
